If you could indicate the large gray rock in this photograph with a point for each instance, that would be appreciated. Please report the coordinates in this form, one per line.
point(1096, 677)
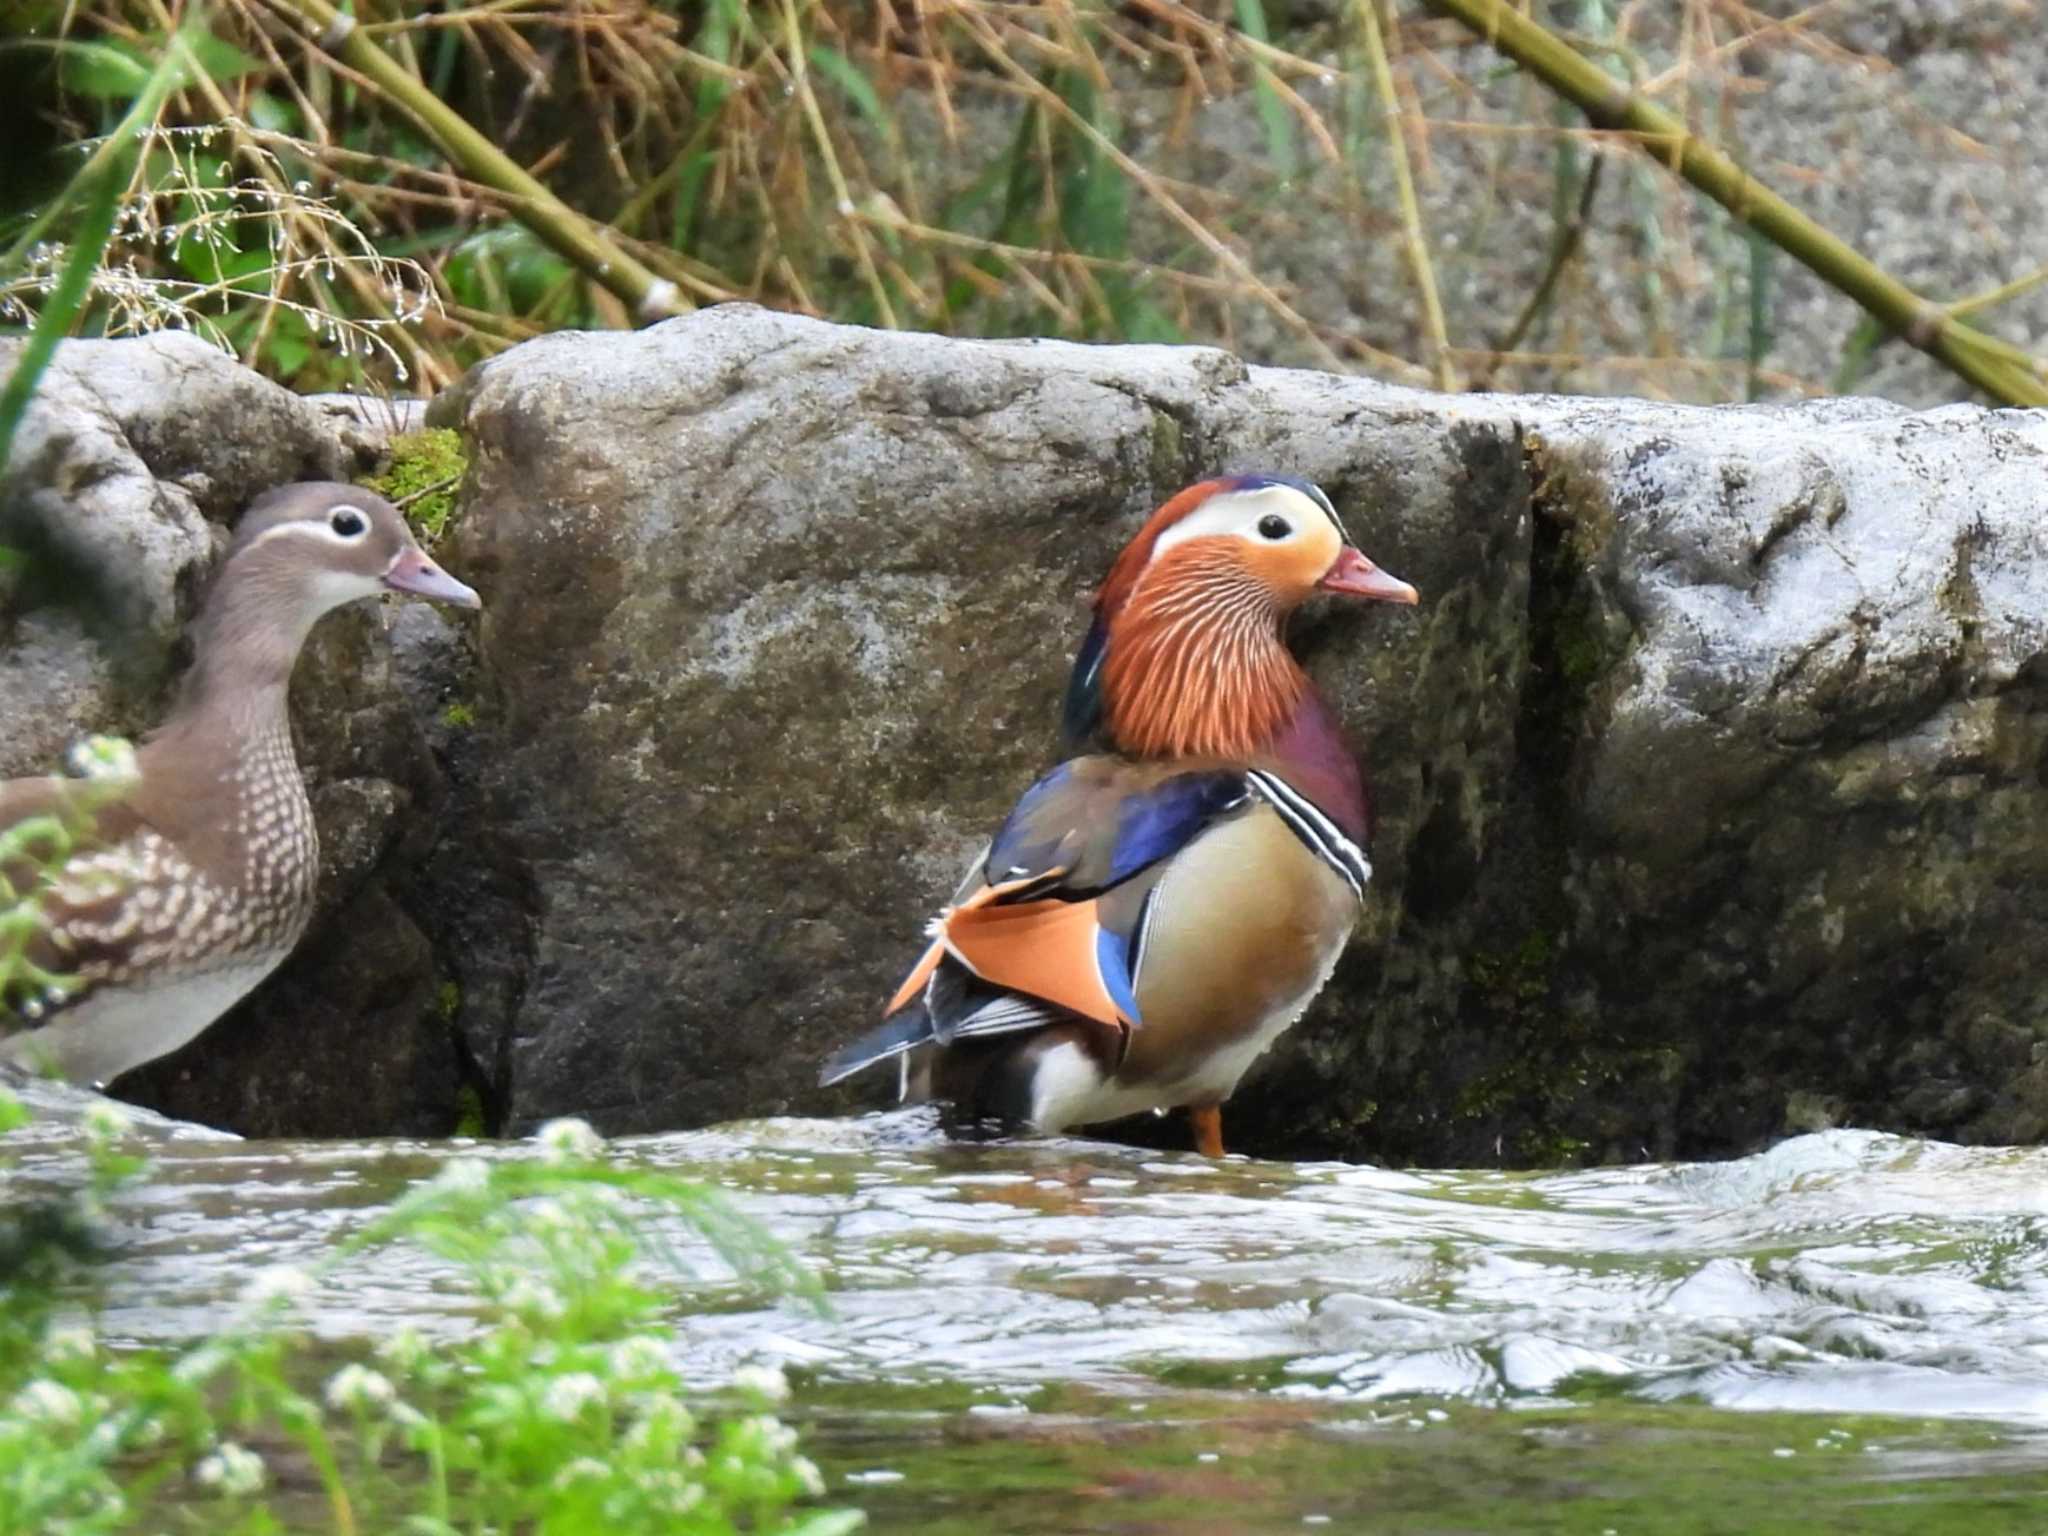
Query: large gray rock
point(130, 466)
point(1709, 771)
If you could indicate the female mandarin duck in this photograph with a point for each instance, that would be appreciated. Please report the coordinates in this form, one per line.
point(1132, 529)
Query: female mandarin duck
point(193, 883)
point(1145, 924)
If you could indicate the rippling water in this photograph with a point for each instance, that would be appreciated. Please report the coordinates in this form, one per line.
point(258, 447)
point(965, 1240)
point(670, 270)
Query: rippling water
point(1077, 1282)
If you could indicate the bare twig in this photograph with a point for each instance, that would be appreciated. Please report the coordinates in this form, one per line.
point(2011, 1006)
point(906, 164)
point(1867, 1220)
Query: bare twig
point(587, 245)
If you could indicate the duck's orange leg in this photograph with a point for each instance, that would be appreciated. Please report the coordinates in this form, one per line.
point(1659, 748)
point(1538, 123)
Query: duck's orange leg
point(1207, 1122)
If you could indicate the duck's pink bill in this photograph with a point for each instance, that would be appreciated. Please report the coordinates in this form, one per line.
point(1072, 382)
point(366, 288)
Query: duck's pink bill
point(413, 572)
point(1356, 576)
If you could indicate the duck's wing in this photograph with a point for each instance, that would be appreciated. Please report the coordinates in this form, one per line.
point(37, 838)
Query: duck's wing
point(1052, 924)
point(66, 906)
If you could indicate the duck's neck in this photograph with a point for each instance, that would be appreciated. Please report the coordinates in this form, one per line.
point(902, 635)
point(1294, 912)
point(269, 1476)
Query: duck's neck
point(1312, 754)
point(1199, 670)
point(1209, 675)
point(244, 650)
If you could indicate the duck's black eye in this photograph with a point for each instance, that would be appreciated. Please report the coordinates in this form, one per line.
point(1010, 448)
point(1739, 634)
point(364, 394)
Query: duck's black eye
point(347, 522)
point(1274, 526)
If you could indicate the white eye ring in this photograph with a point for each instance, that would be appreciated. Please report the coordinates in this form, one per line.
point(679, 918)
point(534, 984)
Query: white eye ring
point(348, 522)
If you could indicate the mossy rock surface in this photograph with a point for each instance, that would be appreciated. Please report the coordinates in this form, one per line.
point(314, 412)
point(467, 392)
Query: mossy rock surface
point(422, 475)
point(1709, 774)
point(1705, 774)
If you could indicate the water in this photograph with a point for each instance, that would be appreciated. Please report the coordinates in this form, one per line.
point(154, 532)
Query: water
point(1849, 1331)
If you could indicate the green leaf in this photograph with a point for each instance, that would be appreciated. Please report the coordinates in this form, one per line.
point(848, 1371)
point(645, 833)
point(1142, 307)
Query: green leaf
point(95, 225)
point(1273, 112)
point(106, 71)
point(837, 68)
point(288, 346)
point(221, 59)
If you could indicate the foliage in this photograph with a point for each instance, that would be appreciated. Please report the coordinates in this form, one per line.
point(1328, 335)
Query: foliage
point(421, 478)
point(1227, 171)
point(561, 1412)
point(33, 849)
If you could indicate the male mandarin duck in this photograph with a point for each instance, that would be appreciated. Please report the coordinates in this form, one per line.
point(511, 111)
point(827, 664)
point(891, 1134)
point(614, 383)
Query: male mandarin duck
point(1148, 921)
point(185, 883)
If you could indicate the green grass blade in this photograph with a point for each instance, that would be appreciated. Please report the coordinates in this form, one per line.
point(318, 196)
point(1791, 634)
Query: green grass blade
point(1273, 113)
point(95, 227)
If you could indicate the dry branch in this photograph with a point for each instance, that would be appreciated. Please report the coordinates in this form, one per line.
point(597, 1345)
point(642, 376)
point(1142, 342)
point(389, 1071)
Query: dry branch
point(2003, 371)
point(647, 295)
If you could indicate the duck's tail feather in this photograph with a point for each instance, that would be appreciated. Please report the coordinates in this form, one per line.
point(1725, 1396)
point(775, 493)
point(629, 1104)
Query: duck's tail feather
point(904, 1030)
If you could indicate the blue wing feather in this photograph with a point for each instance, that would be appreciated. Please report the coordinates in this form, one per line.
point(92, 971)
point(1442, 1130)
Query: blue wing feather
point(1131, 832)
point(1163, 820)
point(1112, 958)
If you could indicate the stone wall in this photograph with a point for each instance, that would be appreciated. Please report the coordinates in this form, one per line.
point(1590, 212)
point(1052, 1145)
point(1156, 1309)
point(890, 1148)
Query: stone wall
point(1710, 770)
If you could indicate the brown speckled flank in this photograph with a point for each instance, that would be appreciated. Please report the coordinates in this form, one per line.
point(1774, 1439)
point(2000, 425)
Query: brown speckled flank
point(194, 879)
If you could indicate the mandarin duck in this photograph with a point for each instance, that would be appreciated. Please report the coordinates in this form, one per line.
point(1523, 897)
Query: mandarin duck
point(1147, 921)
point(187, 879)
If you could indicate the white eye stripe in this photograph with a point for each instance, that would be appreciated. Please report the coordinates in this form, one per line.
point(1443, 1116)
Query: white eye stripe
point(312, 529)
point(1237, 513)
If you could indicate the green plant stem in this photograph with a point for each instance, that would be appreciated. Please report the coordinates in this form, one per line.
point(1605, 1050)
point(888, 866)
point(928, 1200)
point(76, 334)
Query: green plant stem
point(2001, 370)
point(98, 187)
point(647, 296)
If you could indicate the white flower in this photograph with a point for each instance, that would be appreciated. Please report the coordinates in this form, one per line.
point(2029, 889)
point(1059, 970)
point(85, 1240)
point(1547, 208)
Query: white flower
point(546, 1215)
point(232, 1470)
point(769, 1437)
point(102, 757)
point(403, 1351)
point(106, 1121)
point(807, 1476)
point(663, 1422)
point(583, 1468)
point(671, 1488)
point(72, 1343)
point(462, 1176)
point(405, 1416)
point(535, 1298)
point(638, 1357)
point(567, 1138)
point(279, 1283)
point(359, 1387)
point(762, 1381)
point(48, 1402)
point(567, 1396)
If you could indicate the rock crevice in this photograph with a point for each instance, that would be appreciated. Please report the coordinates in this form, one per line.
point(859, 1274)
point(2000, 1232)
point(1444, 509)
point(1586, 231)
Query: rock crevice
point(1709, 775)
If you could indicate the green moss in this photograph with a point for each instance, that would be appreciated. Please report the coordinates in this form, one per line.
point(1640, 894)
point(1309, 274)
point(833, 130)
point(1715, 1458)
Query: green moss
point(448, 1001)
point(1169, 449)
point(458, 716)
point(423, 475)
point(470, 1119)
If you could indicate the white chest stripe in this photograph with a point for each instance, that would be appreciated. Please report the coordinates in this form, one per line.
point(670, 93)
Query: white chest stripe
point(1321, 835)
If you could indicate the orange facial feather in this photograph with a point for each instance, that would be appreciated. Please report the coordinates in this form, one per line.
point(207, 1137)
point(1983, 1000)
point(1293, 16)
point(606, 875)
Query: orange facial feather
point(1196, 664)
point(1130, 565)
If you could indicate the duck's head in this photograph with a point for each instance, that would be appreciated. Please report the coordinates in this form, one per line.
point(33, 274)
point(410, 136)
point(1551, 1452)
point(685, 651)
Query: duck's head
point(1186, 655)
point(1273, 539)
point(299, 552)
point(311, 547)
